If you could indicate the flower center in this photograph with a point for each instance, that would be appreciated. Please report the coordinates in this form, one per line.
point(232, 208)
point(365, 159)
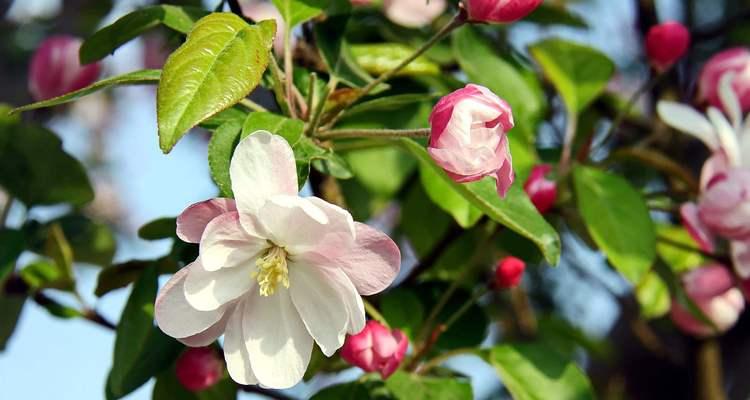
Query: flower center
point(272, 270)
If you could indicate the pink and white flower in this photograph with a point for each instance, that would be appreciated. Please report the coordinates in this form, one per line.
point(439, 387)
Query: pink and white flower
point(275, 272)
point(712, 289)
point(56, 70)
point(376, 349)
point(468, 136)
point(735, 60)
point(500, 11)
point(413, 13)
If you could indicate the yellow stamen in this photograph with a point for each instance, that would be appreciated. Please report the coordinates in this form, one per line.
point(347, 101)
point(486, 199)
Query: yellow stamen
point(272, 270)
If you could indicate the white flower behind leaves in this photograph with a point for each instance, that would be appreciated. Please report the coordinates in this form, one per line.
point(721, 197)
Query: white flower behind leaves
point(275, 272)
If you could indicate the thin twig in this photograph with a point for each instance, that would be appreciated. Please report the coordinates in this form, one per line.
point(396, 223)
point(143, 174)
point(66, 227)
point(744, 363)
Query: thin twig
point(374, 313)
point(252, 106)
point(311, 90)
point(443, 357)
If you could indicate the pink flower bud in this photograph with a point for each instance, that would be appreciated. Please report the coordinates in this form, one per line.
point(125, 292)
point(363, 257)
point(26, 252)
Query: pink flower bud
point(541, 191)
point(666, 43)
point(376, 348)
point(199, 368)
point(500, 11)
point(724, 205)
point(735, 60)
point(468, 138)
point(509, 272)
point(413, 13)
point(712, 289)
point(55, 69)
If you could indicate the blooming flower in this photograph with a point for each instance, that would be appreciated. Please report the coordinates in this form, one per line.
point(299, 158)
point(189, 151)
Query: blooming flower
point(509, 272)
point(199, 368)
point(541, 191)
point(55, 69)
point(724, 205)
point(376, 348)
point(712, 289)
point(735, 60)
point(275, 271)
point(666, 43)
point(413, 13)
point(468, 136)
point(500, 11)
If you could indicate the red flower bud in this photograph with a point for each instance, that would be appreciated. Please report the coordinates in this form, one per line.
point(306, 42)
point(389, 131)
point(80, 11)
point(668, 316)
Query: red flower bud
point(500, 11)
point(376, 348)
point(666, 43)
point(509, 272)
point(541, 191)
point(199, 368)
point(55, 69)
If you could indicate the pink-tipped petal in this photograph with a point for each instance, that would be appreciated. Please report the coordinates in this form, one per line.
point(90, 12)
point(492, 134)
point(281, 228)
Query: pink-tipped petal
point(235, 351)
point(696, 228)
point(227, 244)
point(192, 222)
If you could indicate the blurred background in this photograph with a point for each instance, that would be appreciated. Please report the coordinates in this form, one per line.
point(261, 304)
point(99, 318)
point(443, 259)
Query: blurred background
point(114, 134)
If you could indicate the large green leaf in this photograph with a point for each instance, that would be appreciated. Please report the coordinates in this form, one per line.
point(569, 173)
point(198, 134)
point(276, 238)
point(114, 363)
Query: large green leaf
point(484, 66)
point(289, 129)
point(617, 219)
point(555, 14)
point(35, 169)
point(382, 170)
point(515, 211)
point(403, 310)
point(91, 241)
point(220, 150)
point(142, 77)
point(676, 252)
point(296, 12)
point(378, 58)
point(579, 73)
point(452, 202)
point(141, 349)
point(406, 386)
point(222, 60)
point(533, 371)
point(108, 39)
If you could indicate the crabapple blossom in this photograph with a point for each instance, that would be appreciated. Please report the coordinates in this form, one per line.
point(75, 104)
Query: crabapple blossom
point(500, 11)
point(735, 60)
point(468, 136)
point(712, 290)
point(56, 70)
point(541, 191)
point(275, 271)
point(376, 349)
point(666, 43)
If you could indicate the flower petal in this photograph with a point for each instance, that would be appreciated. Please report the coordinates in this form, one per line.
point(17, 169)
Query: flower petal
point(192, 222)
point(277, 341)
point(226, 243)
point(696, 228)
point(320, 306)
point(175, 316)
point(262, 166)
point(686, 119)
point(729, 99)
point(740, 251)
point(210, 335)
point(209, 290)
point(235, 352)
point(726, 134)
point(372, 263)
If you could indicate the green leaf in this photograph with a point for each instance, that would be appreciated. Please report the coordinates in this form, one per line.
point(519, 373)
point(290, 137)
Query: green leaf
point(484, 66)
point(515, 211)
point(235, 113)
point(141, 349)
point(452, 202)
point(12, 243)
point(142, 77)
point(389, 103)
point(549, 14)
point(168, 387)
point(379, 58)
point(44, 274)
point(533, 371)
point(91, 241)
point(289, 129)
point(162, 228)
point(220, 151)
point(336, 53)
point(296, 12)
point(120, 275)
point(35, 169)
point(579, 73)
point(403, 310)
point(11, 306)
point(307, 153)
point(653, 296)
point(405, 386)
point(381, 170)
point(59, 310)
point(108, 39)
point(617, 219)
point(221, 62)
point(675, 252)
point(370, 389)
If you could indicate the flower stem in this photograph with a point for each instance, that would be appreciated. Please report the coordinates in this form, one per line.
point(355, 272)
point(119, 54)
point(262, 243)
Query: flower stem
point(252, 106)
point(458, 20)
point(289, 71)
point(708, 365)
point(374, 313)
point(439, 359)
point(571, 126)
point(373, 133)
point(311, 95)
